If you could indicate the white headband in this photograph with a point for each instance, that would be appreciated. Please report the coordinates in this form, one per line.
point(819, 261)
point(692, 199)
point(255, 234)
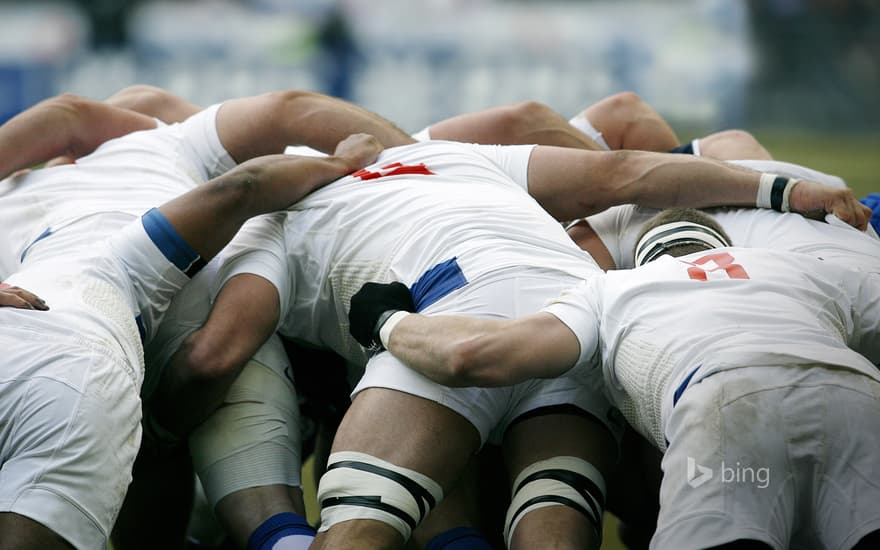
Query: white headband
point(663, 237)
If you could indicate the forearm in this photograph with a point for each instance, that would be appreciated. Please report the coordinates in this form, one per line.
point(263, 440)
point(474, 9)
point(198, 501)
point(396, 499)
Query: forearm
point(465, 351)
point(210, 215)
point(198, 375)
point(661, 180)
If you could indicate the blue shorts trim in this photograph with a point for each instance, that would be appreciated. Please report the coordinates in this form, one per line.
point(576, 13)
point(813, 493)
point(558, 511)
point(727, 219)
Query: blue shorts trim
point(436, 283)
point(27, 249)
point(683, 386)
point(170, 243)
point(872, 201)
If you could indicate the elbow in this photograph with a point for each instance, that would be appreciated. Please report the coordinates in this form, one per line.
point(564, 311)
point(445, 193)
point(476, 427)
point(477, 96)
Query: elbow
point(516, 123)
point(622, 171)
point(461, 366)
point(205, 361)
point(471, 363)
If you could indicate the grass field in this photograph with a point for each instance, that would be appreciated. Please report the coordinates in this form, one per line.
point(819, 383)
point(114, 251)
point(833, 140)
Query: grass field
point(855, 158)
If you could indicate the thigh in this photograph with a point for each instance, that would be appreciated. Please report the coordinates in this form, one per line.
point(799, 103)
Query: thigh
point(409, 431)
point(725, 471)
point(847, 473)
point(69, 442)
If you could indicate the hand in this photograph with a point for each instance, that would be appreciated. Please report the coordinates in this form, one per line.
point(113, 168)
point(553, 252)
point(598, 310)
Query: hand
point(370, 303)
point(814, 200)
point(358, 150)
point(19, 298)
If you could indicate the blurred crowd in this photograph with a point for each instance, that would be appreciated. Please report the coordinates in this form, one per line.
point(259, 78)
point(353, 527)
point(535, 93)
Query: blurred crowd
point(707, 63)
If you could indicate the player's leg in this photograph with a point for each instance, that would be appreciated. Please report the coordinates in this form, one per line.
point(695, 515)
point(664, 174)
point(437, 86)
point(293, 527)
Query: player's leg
point(248, 457)
point(565, 457)
point(22, 533)
point(471, 514)
point(627, 122)
point(725, 484)
point(733, 145)
point(154, 102)
point(71, 420)
point(634, 490)
point(405, 448)
point(526, 122)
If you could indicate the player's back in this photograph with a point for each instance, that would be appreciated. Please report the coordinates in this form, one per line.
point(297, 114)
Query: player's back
point(417, 207)
point(94, 198)
point(689, 317)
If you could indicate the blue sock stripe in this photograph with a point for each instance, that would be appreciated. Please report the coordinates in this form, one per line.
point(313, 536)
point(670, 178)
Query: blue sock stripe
point(168, 240)
point(459, 538)
point(277, 527)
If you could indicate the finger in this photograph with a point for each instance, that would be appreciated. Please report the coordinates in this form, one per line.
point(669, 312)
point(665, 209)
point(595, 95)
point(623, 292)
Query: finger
point(865, 214)
point(8, 299)
point(30, 297)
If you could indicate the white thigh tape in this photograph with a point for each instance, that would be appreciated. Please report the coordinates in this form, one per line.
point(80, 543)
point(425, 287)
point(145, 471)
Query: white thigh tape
point(253, 439)
point(360, 486)
point(559, 481)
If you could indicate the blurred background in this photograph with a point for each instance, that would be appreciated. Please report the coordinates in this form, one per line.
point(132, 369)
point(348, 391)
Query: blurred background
point(803, 75)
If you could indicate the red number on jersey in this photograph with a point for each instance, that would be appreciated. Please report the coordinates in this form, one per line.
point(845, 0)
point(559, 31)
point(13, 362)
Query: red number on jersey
point(395, 169)
point(722, 260)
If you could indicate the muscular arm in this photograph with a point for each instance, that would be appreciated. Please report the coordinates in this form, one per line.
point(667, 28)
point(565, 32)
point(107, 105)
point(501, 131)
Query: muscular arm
point(66, 125)
point(572, 184)
point(210, 215)
point(464, 351)
point(267, 123)
point(200, 372)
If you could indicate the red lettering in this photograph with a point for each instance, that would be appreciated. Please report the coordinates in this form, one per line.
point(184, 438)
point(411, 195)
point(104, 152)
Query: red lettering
point(395, 169)
point(722, 260)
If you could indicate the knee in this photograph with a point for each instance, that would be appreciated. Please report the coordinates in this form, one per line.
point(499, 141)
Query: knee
point(625, 104)
point(561, 481)
point(733, 144)
point(524, 116)
point(405, 497)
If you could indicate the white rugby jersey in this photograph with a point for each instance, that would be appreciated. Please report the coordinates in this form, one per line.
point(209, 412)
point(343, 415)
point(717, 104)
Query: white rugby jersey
point(80, 203)
point(417, 207)
point(672, 322)
point(619, 227)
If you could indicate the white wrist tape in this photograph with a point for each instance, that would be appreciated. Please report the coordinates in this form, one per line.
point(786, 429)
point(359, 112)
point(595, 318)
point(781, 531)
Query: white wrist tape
point(385, 331)
point(786, 194)
point(764, 188)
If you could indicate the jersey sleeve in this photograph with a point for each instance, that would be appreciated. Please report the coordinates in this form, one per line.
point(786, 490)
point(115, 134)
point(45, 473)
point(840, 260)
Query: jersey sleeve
point(577, 310)
point(259, 249)
point(513, 160)
point(619, 228)
point(207, 151)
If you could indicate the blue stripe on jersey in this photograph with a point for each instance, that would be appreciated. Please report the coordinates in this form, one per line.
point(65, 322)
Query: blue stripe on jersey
point(872, 201)
point(683, 386)
point(436, 283)
point(42, 236)
point(169, 241)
